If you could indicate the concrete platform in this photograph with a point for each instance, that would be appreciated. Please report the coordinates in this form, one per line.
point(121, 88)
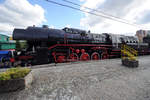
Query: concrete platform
point(92, 80)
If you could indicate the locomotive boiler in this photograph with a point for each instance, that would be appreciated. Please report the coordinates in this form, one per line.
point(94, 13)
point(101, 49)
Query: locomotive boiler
point(54, 36)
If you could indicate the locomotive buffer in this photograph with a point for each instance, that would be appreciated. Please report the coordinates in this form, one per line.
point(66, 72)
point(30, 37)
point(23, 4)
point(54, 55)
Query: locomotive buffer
point(129, 56)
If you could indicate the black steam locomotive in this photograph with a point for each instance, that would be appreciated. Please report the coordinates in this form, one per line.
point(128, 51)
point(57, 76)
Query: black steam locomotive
point(47, 45)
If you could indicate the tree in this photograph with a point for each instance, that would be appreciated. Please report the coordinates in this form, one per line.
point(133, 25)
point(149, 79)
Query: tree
point(18, 46)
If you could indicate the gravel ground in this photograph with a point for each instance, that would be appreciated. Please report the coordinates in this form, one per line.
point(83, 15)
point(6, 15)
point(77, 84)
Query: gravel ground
point(92, 80)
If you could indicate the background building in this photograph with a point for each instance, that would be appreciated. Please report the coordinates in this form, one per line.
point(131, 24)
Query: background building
point(5, 43)
point(141, 34)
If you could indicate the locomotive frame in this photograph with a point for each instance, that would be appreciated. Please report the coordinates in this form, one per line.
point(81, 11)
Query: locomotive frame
point(83, 52)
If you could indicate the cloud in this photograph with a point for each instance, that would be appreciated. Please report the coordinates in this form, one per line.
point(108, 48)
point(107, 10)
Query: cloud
point(19, 13)
point(68, 25)
point(51, 26)
point(134, 11)
point(145, 18)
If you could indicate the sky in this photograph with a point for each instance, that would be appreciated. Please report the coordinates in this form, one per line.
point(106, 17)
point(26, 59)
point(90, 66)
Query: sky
point(24, 13)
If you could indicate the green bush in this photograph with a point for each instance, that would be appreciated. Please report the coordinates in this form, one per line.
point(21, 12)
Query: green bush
point(4, 76)
point(14, 73)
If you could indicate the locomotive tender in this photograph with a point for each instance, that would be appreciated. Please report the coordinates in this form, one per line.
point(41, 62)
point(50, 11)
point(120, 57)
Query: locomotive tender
point(47, 45)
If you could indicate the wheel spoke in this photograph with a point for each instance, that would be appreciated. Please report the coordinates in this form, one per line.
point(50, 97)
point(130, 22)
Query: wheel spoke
point(95, 56)
point(61, 59)
point(104, 56)
point(84, 57)
point(73, 57)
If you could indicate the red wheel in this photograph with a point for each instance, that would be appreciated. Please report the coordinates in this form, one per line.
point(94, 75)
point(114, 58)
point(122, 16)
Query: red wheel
point(73, 57)
point(84, 57)
point(61, 59)
point(95, 56)
point(104, 56)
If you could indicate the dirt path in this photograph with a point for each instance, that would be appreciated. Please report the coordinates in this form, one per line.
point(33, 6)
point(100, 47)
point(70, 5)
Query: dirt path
point(92, 80)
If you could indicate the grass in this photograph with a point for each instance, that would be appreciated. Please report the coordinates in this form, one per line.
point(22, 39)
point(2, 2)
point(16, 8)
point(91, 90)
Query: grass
point(14, 73)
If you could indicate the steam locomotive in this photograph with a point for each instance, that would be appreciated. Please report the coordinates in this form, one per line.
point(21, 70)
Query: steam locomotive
point(47, 45)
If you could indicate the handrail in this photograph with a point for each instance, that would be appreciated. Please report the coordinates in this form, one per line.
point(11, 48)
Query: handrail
point(130, 49)
point(128, 52)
